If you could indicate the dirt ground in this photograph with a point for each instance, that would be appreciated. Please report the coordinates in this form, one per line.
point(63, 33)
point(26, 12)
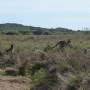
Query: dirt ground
point(13, 83)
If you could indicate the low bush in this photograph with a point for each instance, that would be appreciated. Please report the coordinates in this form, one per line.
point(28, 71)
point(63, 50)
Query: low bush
point(64, 67)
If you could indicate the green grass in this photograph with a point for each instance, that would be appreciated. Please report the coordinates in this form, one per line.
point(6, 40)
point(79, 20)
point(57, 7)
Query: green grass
point(2, 73)
point(39, 76)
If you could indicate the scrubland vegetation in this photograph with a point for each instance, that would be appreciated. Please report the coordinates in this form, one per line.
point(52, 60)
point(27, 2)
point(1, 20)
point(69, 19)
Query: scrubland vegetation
point(35, 65)
point(28, 60)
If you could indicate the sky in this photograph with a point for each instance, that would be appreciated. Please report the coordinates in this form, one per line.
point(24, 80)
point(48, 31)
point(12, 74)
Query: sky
point(73, 14)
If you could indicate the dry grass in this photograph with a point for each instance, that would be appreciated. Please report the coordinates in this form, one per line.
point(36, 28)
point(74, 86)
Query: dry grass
point(13, 83)
point(31, 49)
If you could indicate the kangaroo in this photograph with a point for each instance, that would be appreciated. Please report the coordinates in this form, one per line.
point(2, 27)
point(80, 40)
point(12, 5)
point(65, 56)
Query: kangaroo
point(10, 50)
point(62, 44)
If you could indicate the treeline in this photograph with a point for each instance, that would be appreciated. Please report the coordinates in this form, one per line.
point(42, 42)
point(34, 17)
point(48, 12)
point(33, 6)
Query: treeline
point(16, 29)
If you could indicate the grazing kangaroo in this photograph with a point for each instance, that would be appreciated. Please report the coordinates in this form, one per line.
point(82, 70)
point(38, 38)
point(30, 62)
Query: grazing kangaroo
point(62, 44)
point(10, 50)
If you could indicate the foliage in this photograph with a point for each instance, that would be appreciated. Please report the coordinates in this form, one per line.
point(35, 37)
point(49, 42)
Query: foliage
point(47, 48)
point(74, 82)
point(64, 67)
point(35, 67)
point(39, 75)
point(14, 29)
point(75, 65)
point(38, 32)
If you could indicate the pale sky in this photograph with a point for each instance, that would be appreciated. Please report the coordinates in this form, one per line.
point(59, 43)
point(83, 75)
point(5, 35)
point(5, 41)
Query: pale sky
point(73, 14)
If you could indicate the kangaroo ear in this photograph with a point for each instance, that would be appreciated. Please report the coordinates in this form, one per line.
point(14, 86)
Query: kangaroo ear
point(69, 40)
point(12, 44)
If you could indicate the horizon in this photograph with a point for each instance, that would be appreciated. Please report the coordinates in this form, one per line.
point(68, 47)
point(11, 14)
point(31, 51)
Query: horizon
point(47, 13)
point(83, 29)
point(35, 26)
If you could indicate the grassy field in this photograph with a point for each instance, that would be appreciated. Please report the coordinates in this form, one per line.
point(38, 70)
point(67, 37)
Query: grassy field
point(51, 70)
point(28, 42)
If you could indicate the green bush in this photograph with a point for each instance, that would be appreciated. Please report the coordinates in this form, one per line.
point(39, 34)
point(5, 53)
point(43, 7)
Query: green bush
point(48, 48)
point(75, 65)
point(64, 67)
point(12, 32)
point(74, 82)
point(39, 75)
point(38, 32)
point(25, 32)
point(32, 69)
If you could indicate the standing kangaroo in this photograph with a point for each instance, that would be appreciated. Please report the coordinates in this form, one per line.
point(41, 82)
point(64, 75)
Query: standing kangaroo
point(10, 50)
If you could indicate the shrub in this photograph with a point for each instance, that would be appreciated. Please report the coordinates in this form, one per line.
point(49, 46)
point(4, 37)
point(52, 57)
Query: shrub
point(48, 48)
point(22, 69)
point(38, 32)
point(35, 67)
point(64, 67)
point(39, 75)
point(74, 64)
point(74, 82)
point(25, 32)
point(12, 33)
point(46, 33)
